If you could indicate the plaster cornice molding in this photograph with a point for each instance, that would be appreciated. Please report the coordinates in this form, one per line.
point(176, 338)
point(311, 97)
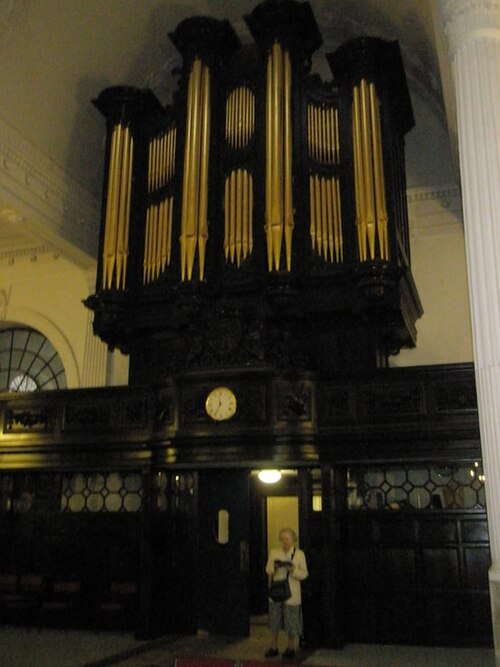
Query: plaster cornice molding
point(26, 252)
point(466, 20)
point(46, 194)
point(435, 211)
point(442, 193)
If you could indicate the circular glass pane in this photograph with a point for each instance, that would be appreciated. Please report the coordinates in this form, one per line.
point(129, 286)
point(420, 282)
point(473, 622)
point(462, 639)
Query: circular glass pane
point(77, 483)
point(95, 502)
point(114, 482)
point(132, 502)
point(420, 498)
point(113, 502)
point(133, 482)
point(76, 503)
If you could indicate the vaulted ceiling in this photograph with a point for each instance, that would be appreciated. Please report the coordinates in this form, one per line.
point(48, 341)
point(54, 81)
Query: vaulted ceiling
point(55, 57)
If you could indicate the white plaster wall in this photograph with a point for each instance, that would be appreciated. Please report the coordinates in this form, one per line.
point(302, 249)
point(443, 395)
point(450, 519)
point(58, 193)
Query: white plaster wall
point(45, 292)
point(439, 270)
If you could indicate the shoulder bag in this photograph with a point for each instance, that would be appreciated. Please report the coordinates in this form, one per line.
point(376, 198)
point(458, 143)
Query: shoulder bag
point(279, 591)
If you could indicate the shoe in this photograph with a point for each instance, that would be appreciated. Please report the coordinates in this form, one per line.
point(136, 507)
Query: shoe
point(289, 654)
point(271, 653)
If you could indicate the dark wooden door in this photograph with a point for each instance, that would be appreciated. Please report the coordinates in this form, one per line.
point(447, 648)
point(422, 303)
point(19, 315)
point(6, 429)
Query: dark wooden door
point(224, 565)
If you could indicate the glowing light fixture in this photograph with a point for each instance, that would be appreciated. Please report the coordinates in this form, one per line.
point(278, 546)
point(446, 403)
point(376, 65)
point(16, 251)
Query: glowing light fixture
point(269, 476)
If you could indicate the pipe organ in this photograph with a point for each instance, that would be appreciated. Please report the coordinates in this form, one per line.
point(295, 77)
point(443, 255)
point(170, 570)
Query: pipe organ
point(261, 193)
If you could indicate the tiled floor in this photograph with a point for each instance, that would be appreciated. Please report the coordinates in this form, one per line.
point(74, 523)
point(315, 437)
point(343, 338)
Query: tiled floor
point(52, 648)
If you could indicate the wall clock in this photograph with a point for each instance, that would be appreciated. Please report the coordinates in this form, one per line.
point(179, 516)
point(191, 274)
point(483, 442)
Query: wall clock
point(221, 404)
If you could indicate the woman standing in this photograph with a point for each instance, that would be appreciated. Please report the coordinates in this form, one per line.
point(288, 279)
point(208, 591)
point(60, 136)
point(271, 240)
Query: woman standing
point(288, 561)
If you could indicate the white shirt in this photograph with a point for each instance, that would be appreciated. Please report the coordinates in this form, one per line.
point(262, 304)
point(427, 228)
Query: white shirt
point(300, 572)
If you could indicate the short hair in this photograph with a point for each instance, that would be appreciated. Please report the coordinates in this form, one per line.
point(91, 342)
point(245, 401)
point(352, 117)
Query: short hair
point(291, 532)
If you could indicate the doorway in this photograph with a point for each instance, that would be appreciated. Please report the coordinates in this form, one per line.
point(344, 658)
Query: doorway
point(272, 506)
point(239, 519)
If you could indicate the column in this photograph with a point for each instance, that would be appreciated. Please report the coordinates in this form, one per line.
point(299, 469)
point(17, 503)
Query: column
point(472, 29)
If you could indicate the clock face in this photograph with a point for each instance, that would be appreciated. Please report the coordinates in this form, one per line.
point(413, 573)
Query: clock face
point(221, 404)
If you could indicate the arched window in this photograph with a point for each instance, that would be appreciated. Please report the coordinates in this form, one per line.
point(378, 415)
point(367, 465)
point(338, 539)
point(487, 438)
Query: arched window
point(29, 362)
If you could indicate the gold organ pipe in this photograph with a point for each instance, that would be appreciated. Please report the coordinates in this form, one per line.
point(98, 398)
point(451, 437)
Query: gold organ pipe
point(339, 219)
point(227, 211)
point(319, 226)
point(228, 103)
point(152, 252)
point(326, 117)
point(233, 119)
point(165, 251)
point(368, 167)
point(378, 170)
point(361, 221)
point(146, 247)
point(109, 195)
point(165, 140)
point(204, 162)
point(337, 140)
point(170, 223)
point(236, 117)
point(335, 217)
point(165, 158)
point(269, 161)
point(246, 215)
point(312, 212)
point(186, 191)
point(330, 217)
point(250, 215)
point(240, 118)
point(239, 219)
point(168, 155)
point(277, 163)
point(170, 143)
point(317, 133)
point(159, 248)
point(246, 117)
point(171, 154)
point(194, 181)
point(122, 208)
point(323, 136)
point(251, 105)
point(287, 160)
point(194, 226)
point(126, 226)
point(331, 134)
point(114, 210)
point(152, 233)
point(174, 149)
point(159, 161)
point(324, 220)
point(232, 216)
point(279, 204)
